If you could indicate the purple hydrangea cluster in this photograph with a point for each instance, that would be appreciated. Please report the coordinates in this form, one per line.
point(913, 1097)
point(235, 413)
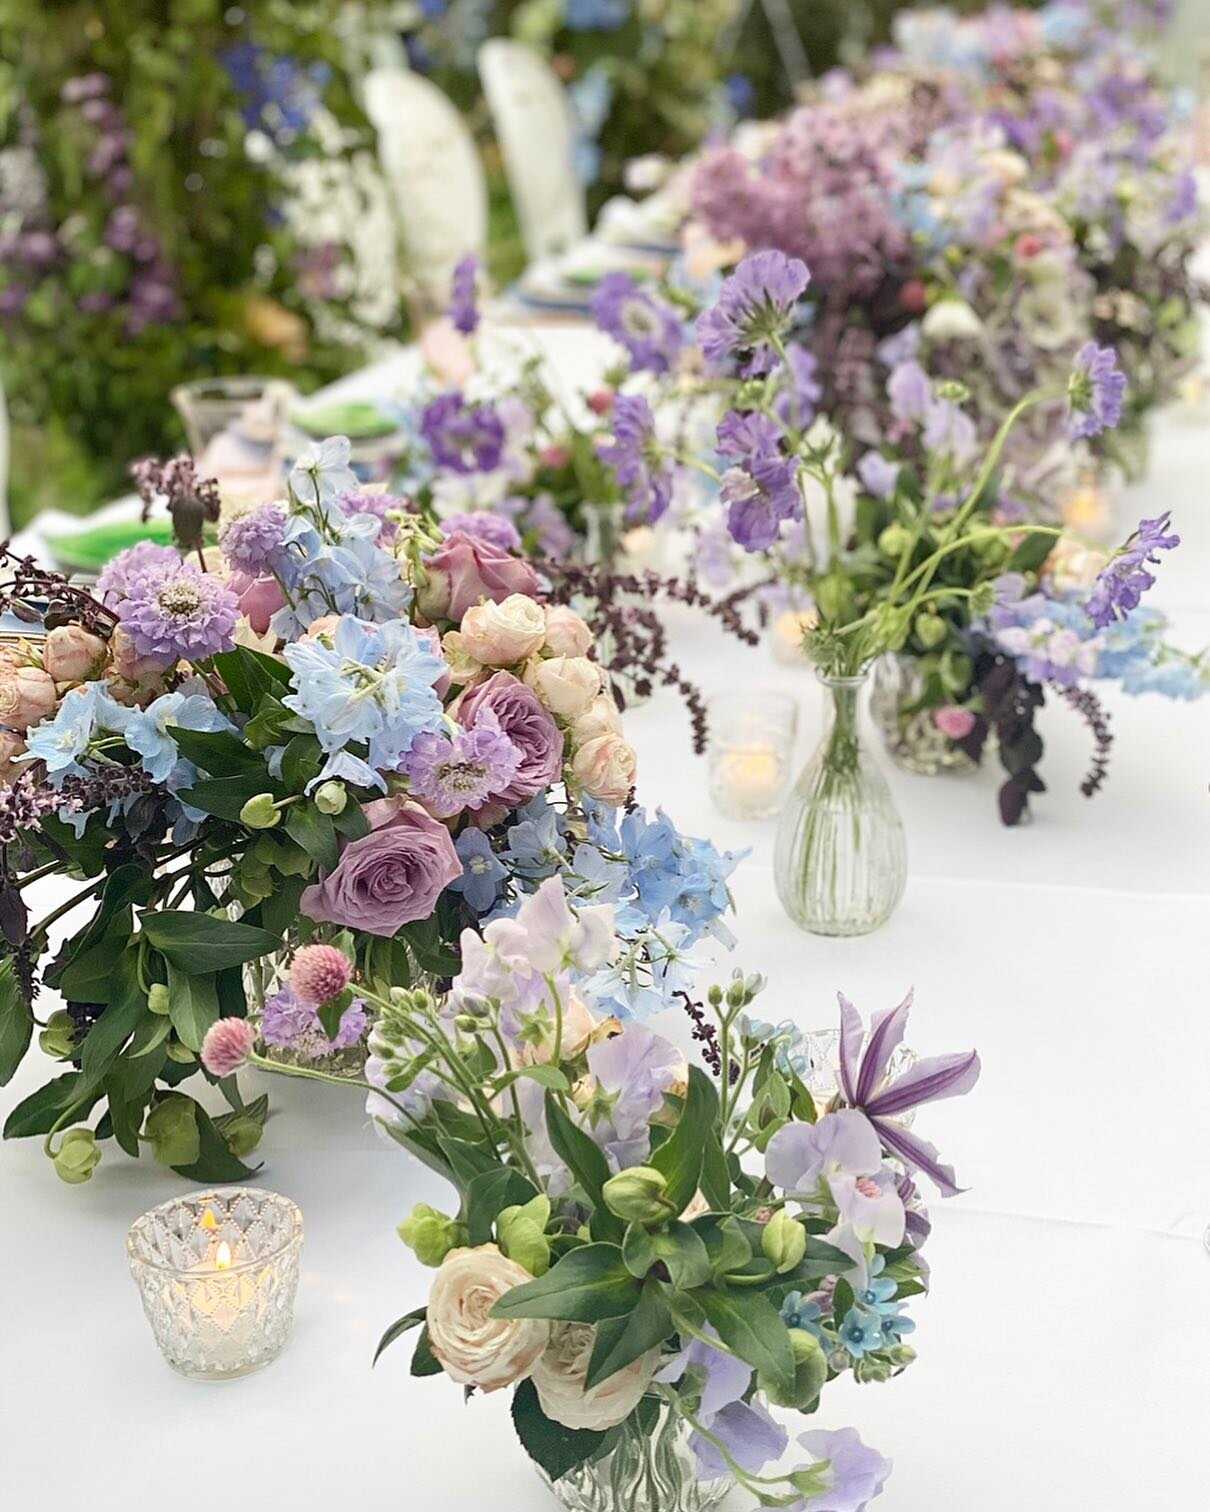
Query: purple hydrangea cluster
point(484, 525)
point(465, 437)
point(648, 328)
point(175, 612)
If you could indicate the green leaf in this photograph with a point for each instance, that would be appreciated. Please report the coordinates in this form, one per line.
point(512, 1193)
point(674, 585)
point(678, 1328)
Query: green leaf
point(586, 1162)
point(619, 1341)
point(315, 832)
point(842, 1300)
point(545, 1076)
point(225, 796)
point(1030, 552)
point(301, 761)
point(126, 1010)
point(551, 1446)
point(397, 1331)
point(724, 1240)
point(249, 675)
point(199, 942)
point(680, 1157)
point(424, 1361)
point(192, 1005)
point(218, 752)
point(750, 1325)
point(215, 1161)
point(352, 822)
point(466, 1160)
point(41, 1110)
point(586, 1285)
point(679, 1248)
point(16, 1023)
point(489, 1194)
point(716, 1177)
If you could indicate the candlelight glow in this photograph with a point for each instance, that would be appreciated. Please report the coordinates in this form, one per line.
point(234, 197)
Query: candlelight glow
point(208, 1220)
point(222, 1257)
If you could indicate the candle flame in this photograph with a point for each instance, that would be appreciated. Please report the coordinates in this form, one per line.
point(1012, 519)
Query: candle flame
point(208, 1220)
point(222, 1257)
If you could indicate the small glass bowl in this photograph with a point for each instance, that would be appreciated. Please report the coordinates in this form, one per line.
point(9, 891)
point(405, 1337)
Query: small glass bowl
point(750, 754)
point(822, 1080)
point(218, 1272)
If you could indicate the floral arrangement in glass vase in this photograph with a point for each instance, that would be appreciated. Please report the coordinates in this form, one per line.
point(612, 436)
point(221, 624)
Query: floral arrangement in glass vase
point(647, 1255)
point(343, 734)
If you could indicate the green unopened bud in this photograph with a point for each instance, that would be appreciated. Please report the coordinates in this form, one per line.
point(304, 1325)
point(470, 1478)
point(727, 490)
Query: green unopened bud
point(242, 1134)
point(157, 998)
point(58, 1039)
point(430, 1235)
point(901, 1355)
point(331, 797)
point(872, 1368)
point(465, 1023)
point(982, 599)
point(810, 1372)
point(735, 993)
point(930, 630)
point(77, 1157)
point(953, 388)
point(894, 540)
point(179, 1053)
point(260, 812)
point(715, 996)
point(637, 1195)
point(522, 1234)
point(784, 1241)
point(171, 1130)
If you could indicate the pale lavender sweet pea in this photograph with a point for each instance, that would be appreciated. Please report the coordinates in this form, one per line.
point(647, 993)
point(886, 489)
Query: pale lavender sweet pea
point(856, 1473)
point(632, 1071)
point(843, 1149)
point(909, 392)
point(748, 1433)
point(878, 473)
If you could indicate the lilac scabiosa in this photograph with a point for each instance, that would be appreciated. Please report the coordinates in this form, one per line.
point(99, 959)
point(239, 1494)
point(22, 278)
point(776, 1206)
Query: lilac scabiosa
point(174, 612)
point(645, 477)
point(759, 496)
point(464, 286)
point(252, 542)
point(450, 773)
point(465, 437)
point(740, 433)
point(1095, 391)
point(115, 579)
point(1120, 585)
point(754, 309)
point(648, 328)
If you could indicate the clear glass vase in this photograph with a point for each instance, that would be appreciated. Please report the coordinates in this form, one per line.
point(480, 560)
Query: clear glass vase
point(911, 737)
point(841, 857)
point(650, 1469)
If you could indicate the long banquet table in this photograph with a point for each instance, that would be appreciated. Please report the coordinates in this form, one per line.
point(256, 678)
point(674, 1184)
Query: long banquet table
point(1064, 1351)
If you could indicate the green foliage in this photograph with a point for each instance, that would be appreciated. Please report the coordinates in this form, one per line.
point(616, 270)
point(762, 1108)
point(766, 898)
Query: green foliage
point(550, 1445)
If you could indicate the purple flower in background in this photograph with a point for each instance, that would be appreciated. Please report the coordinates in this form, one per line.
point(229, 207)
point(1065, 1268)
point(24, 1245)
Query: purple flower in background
point(649, 328)
point(948, 429)
point(466, 437)
point(865, 1084)
point(291, 1024)
point(801, 390)
point(755, 306)
point(740, 434)
point(464, 305)
point(362, 501)
point(483, 525)
point(175, 612)
point(461, 771)
point(1095, 391)
point(855, 1475)
point(1122, 582)
point(120, 573)
point(252, 541)
point(644, 477)
point(878, 473)
point(759, 496)
point(909, 392)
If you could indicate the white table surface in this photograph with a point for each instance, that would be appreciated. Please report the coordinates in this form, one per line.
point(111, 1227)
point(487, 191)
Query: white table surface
point(1063, 1353)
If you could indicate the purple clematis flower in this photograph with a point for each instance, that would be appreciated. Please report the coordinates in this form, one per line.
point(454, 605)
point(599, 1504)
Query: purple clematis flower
point(865, 1086)
point(1120, 585)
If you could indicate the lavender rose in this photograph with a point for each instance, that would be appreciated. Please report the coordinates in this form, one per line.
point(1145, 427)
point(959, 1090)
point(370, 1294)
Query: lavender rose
point(527, 724)
point(389, 877)
point(465, 569)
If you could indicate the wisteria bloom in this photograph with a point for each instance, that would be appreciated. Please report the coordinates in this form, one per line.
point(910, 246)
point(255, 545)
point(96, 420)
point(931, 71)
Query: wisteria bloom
point(252, 542)
point(174, 612)
point(1120, 585)
point(465, 437)
point(649, 328)
point(755, 307)
point(1095, 391)
point(464, 287)
point(452, 772)
point(643, 475)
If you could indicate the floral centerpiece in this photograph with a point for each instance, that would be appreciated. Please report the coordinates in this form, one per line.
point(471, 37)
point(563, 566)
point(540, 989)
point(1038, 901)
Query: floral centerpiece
point(342, 733)
point(646, 1255)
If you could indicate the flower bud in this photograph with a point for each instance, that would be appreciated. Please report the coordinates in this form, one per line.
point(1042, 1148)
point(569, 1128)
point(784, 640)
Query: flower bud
point(171, 1130)
point(58, 1039)
point(430, 1235)
point(71, 654)
point(331, 797)
point(77, 1157)
point(810, 1372)
point(637, 1195)
point(784, 1241)
point(522, 1235)
point(260, 812)
point(930, 630)
point(894, 540)
point(157, 998)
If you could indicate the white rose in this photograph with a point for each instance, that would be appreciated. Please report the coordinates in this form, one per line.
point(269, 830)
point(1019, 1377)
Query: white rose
point(566, 632)
point(567, 685)
point(951, 320)
point(580, 1024)
point(473, 1347)
point(559, 1379)
point(605, 768)
point(602, 717)
point(1072, 567)
point(499, 634)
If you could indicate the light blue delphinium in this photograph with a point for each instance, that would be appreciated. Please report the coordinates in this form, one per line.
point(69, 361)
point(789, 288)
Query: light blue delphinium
point(149, 731)
point(61, 742)
point(482, 870)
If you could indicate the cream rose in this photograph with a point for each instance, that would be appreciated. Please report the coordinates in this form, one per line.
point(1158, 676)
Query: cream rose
point(11, 746)
point(474, 1348)
point(580, 1025)
point(27, 697)
point(497, 635)
point(559, 1379)
point(605, 768)
point(72, 654)
point(602, 717)
point(567, 685)
point(566, 632)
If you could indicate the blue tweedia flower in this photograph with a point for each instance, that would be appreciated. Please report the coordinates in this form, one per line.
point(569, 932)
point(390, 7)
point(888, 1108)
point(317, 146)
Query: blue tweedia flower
point(861, 1332)
point(61, 742)
point(482, 870)
point(879, 1290)
point(790, 1051)
point(368, 683)
point(149, 733)
point(798, 1311)
point(644, 476)
point(894, 1324)
point(647, 327)
point(252, 542)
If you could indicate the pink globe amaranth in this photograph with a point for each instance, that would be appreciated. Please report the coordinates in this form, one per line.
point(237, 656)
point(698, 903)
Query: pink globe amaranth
point(953, 721)
point(528, 724)
point(227, 1046)
point(318, 973)
point(466, 569)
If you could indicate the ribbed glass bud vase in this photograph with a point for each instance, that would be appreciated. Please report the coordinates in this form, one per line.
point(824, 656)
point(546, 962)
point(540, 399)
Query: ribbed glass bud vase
point(650, 1469)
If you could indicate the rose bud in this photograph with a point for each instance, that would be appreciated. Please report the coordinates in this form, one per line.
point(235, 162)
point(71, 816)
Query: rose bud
point(72, 654)
point(27, 697)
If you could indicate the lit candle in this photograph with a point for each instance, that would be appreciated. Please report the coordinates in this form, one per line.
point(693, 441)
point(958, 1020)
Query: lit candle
point(753, 774)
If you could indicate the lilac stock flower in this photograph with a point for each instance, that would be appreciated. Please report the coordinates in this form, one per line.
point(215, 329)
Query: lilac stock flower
point(465, 437)
point(482, 871)
point(759, 496)
point(1095, 391)
point(866, 1086)
point(450, 773)
point(120, 572)
point(754, 309)
point(174, 612)
point(1120, 585)
point(648, 328)
point(642, 474)
point(878, 473)
point(855, 1475)
point(483, 525)
point(253, 541)
point(464, 305)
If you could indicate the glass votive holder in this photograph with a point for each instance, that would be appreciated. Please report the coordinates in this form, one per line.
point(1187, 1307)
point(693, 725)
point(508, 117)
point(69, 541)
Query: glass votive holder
point(822, 1078)
point(750, 752)
point(217, 1272)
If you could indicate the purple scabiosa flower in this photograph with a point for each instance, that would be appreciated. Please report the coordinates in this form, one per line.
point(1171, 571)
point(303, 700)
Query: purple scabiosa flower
point(483, 525)
point(465, 437)
point(643, 475)
point(759, 495)
point(450, 773)
point(251, 542)
point(740, 434)
point(464, 286)
point(1120, 585)
point(949, 430)
point(176, 613)
point(120, 572)
point(1095, 391)
point(755, 305)
point(649, 328)
point(855, 1475)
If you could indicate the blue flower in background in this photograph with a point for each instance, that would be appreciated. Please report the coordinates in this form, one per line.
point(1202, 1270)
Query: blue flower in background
point(482, 870)
point(590, 98)
point(861, 1332)
point(741, 93)
point(596, 15)
point(281, 96)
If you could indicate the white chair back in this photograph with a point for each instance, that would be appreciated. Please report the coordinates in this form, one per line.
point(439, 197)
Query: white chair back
point(434, 174)
point(536, 129)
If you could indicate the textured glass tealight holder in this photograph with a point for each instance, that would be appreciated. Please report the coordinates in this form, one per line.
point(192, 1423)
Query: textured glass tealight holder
point(750, 755)
point(217, 1272)
point(822, 1078)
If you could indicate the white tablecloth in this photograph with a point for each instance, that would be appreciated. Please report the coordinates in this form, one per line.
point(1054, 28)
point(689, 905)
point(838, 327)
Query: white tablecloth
point(1063, 1353)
